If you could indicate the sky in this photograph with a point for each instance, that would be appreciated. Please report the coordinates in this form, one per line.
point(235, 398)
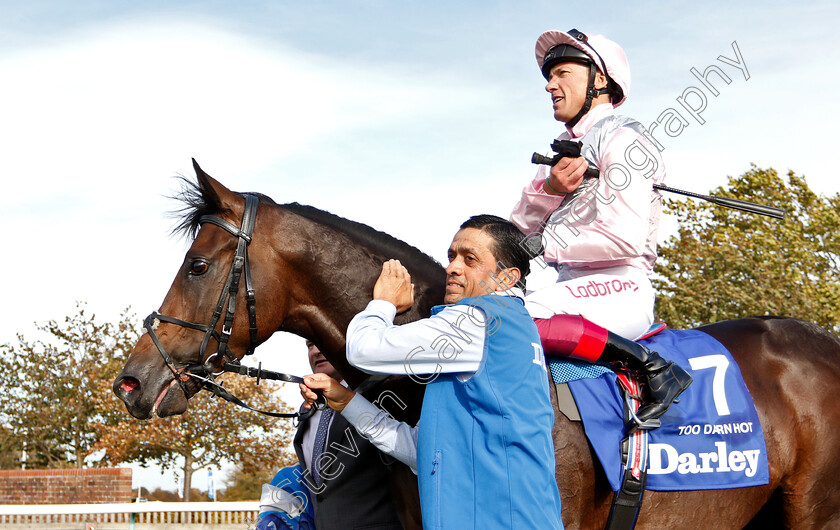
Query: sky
point(408, 116)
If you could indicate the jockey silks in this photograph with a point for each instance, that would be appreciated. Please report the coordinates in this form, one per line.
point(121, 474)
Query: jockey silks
point(602, 236)
point(609, 221)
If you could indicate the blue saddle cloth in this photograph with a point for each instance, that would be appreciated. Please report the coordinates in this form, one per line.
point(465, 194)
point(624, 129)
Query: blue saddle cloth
point(710, 439)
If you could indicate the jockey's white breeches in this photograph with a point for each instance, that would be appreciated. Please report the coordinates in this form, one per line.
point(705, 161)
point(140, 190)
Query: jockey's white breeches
point(618, 298)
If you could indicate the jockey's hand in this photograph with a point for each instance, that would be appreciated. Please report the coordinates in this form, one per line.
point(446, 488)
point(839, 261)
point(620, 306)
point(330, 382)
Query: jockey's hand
point(566, 175)
point(337, 396)
point(394, 285)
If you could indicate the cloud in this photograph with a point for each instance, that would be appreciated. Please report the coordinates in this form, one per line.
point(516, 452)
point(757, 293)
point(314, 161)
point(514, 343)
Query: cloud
point(150, 92)
point(94, 127)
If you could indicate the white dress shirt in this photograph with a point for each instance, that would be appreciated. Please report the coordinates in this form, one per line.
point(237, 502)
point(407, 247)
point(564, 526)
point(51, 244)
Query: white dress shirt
point(452, 341)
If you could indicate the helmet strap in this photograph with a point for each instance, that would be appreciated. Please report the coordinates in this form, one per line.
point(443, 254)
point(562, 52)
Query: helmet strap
point(591, 93)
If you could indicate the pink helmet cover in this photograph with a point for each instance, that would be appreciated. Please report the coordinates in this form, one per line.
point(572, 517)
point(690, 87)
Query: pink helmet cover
point(613, 57)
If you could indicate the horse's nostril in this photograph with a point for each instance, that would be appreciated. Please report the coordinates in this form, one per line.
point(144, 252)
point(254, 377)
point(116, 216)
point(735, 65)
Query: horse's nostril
point(129, 383)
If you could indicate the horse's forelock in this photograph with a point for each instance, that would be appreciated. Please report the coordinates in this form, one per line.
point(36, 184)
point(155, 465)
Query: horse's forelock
point(197, 203)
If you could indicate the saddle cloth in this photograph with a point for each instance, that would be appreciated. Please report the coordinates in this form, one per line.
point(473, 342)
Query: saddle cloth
point(710, 439)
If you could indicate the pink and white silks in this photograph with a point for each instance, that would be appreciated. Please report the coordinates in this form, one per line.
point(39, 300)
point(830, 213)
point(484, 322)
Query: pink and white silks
point(602, 237)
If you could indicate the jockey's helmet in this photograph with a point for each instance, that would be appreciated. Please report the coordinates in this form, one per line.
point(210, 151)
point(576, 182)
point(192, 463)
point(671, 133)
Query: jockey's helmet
point(596, 51)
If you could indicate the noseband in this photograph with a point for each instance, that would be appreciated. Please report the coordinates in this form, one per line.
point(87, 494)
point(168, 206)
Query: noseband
point(229, 294)
point(204, 371)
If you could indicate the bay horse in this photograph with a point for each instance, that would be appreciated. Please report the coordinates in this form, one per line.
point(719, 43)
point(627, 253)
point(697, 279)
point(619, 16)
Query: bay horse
point(311, 271)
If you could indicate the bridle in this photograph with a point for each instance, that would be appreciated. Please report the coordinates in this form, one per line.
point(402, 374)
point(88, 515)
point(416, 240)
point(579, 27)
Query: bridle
point(203, 372)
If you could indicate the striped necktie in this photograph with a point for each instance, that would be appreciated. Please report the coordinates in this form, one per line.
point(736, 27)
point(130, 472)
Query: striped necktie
point(320, 443)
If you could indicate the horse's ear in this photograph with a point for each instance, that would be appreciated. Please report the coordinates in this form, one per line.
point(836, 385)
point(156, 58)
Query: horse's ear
point(214, 192)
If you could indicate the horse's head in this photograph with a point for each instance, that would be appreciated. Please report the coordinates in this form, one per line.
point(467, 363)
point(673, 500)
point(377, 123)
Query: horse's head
point(202, 318)
point(310, 272)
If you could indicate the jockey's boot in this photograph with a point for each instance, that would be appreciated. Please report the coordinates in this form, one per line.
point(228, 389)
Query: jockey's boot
point(663, 379)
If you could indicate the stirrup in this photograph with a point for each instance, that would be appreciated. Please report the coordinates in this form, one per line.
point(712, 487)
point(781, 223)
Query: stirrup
point(635, 423)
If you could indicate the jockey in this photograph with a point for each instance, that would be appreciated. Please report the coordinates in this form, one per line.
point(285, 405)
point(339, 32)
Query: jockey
point(598, 233)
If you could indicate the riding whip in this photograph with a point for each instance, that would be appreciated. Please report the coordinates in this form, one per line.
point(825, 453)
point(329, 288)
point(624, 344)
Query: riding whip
point(567, 148)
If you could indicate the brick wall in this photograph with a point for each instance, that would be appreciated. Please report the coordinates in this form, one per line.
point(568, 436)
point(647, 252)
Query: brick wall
point(65, 486)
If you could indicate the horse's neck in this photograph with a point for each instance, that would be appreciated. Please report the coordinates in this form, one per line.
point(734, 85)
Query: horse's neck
point(324, 321)
point(334, 281)
point(319, 283)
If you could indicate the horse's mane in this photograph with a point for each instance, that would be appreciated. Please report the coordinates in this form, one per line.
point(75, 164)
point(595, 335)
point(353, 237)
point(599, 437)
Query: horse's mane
point(367, 236)
point(196, 205)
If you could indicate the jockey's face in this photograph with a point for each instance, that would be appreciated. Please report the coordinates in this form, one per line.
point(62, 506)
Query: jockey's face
point(567, 86)
point(473, 269)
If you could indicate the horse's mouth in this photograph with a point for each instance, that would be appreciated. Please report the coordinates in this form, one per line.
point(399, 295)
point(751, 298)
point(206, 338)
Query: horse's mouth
point(173, 398)
point(166, 403)
point(163, 391)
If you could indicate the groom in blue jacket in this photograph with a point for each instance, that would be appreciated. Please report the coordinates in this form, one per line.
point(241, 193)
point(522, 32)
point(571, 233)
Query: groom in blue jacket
point(482, 450)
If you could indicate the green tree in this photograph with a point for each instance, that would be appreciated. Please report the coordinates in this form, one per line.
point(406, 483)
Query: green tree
point(57, 398)
point(245, 481)
point(210, 431)
point(726, 264)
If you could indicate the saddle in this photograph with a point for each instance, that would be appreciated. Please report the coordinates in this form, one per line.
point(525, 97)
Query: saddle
point(710, 439)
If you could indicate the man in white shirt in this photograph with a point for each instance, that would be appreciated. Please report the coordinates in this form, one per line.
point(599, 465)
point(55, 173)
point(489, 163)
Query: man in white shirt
point(484, 435)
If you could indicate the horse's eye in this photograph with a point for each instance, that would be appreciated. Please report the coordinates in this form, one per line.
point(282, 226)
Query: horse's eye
point(199, 267)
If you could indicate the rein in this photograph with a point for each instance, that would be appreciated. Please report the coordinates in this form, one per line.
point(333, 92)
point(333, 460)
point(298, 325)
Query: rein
point(204, 372)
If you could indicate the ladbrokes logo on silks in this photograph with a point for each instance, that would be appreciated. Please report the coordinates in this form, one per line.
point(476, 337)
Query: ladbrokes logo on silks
point(711, 439)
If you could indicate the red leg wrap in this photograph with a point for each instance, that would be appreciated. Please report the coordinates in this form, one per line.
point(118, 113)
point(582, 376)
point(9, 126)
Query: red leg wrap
point(571, 336)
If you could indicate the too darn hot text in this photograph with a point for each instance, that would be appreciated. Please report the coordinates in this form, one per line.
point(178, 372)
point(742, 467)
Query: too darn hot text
point(744, 427)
